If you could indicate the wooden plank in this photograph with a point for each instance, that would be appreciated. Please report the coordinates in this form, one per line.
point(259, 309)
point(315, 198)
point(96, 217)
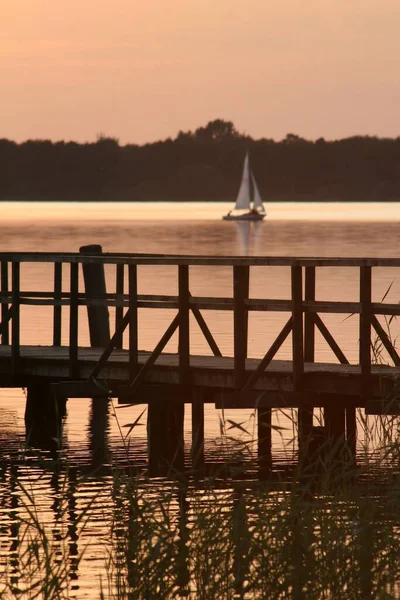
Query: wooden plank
point(133, 322)
point(385, 340)
point(184, 332)
point(81, 389)
point(15, 323)
point(73, 321)
point(5, 335)
point(57, 307)
point(269, 355)
point(229, 398)
point(240, 293)
point(119, 311)
point(365, 329)
point(334, 346)
point(379, 406)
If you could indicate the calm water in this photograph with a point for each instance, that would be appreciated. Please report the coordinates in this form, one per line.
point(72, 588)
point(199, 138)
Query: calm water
point(357, 230)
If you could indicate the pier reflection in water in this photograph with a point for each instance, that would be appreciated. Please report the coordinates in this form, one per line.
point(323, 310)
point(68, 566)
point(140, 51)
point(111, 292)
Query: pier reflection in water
point(77, 494)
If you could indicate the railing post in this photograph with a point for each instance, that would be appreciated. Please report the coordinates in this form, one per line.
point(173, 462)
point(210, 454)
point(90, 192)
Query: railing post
point(119, 310)
point(184, 341)
point(304, 421)
point(5, 337)
point(133, 321)
point(306, 413)
point(15, 323)
point(73, 320)
point(365, 330)
point(309, 322)
point(57, 307)
point(240, 295)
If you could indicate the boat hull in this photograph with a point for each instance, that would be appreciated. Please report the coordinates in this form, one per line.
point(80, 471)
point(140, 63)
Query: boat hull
point(245, 217)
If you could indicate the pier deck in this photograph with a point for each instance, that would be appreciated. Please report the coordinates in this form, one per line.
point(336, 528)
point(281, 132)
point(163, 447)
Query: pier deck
point(323, 383)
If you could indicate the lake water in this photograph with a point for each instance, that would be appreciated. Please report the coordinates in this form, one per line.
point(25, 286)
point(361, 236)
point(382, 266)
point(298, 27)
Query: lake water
point(301, 229)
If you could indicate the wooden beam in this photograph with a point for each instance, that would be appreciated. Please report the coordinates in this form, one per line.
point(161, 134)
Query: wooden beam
point(133, 322)
point(269, 355)
point(5, 336)
point(73, 321)
point(119, 310)
point(309, 322)
point(365, 329)
point(184, 332)
point(385, 340)
point(297, 333)
point(205, 330)
point(138, 380)
point(240, 293)
point(112, 344)
point(57, 307)
point(15, 323)
point(230, 398)
point(330, 340)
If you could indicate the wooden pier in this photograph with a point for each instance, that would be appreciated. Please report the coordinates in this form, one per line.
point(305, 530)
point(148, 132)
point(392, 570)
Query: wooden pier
point(165, 381)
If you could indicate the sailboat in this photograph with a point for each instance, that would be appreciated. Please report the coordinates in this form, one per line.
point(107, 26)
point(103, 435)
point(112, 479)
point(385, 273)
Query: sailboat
point(254, 207)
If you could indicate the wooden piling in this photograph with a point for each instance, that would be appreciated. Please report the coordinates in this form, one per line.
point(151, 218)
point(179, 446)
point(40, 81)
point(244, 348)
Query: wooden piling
point(197, 452)
point(95, 288)
point(43, 416)
point(264, 436)
point(99, 334)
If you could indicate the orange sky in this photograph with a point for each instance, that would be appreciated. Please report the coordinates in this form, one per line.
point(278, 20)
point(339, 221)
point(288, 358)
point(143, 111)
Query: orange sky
point(141, 70)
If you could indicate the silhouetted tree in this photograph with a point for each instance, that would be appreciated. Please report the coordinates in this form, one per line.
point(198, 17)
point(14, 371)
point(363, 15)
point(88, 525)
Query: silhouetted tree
point(201, 164)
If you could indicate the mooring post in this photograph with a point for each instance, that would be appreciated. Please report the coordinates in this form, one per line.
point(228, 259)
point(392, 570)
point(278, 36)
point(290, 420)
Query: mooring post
point(99, 333)
point(95, 288)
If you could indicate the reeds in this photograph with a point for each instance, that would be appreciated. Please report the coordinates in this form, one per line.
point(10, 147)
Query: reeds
point(331, 530)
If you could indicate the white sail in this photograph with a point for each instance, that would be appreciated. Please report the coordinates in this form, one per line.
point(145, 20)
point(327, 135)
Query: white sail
point(243, 197)
point(257, 202)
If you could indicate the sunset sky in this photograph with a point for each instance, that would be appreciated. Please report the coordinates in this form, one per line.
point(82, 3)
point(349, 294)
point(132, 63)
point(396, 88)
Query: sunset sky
point(143, 70)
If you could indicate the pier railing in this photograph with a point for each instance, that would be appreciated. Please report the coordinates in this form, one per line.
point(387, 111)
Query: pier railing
point(302, 307)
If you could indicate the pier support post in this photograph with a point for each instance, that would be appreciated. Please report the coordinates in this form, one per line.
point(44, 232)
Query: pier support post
point(264, 437)
point(165, 438)
point(43, 416)
point(198, 429)
point(335, 425)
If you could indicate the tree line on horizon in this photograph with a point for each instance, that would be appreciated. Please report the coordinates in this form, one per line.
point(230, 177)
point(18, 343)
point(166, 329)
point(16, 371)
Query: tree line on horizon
point(205, 164)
